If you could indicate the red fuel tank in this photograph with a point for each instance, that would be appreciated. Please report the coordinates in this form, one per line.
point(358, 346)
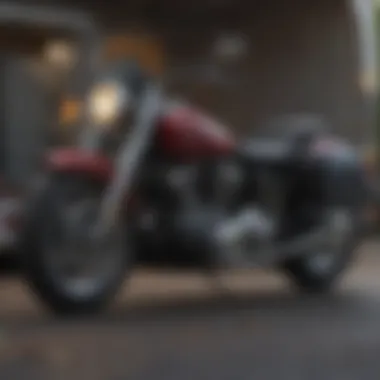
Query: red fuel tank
point(185, 132)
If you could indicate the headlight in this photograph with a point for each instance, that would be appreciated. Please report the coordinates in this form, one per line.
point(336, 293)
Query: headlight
point(105, 103)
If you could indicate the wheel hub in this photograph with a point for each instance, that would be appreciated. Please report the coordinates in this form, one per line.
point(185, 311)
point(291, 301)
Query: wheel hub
point(339, 226)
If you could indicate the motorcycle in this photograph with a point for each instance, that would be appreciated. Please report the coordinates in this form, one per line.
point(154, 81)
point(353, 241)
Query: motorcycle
point(156, 182)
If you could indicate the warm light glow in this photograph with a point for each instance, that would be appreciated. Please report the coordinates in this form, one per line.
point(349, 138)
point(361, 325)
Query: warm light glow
point(69, 111)
point(60, 53)
point(105, 103)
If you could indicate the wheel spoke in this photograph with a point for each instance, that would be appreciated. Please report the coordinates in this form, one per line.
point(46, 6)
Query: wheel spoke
point(76, 260)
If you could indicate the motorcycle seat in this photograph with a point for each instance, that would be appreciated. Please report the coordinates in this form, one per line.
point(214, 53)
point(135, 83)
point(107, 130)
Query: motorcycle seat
point(266, 149)
point(283, 139)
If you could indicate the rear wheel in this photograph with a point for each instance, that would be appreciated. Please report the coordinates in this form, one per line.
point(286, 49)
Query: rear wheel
point(318, 271)
point(67, 267)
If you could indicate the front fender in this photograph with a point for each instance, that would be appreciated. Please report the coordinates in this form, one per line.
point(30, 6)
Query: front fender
point(79, 162)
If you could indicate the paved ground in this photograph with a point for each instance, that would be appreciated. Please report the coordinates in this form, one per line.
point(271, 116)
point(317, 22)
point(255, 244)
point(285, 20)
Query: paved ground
point(183, 327)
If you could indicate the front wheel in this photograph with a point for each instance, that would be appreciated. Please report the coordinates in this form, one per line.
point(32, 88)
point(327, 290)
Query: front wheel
point(319, 270)
point(66, 266)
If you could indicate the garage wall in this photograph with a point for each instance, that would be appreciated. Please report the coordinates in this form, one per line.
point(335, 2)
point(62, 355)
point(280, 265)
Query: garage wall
point(25, 115)
point(301, 58)
point(309, 64)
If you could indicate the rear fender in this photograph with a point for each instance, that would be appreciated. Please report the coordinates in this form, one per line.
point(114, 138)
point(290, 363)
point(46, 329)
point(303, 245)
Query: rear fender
point(342, 172)
point(78, 161)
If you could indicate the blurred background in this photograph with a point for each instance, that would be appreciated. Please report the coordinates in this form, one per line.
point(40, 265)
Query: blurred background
point(270, 58)
point(275, 57)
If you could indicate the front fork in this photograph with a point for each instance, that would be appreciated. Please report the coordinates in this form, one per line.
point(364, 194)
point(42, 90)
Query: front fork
point(128, 160)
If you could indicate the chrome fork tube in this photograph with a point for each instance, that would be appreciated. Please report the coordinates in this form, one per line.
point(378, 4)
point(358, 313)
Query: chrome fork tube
point(129, 158)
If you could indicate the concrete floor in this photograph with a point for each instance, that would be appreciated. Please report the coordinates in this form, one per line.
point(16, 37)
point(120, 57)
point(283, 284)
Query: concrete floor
point(170, 326)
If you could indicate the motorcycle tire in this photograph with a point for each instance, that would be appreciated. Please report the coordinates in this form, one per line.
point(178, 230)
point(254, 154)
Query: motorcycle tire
point(312, 279)
point(42, 211)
